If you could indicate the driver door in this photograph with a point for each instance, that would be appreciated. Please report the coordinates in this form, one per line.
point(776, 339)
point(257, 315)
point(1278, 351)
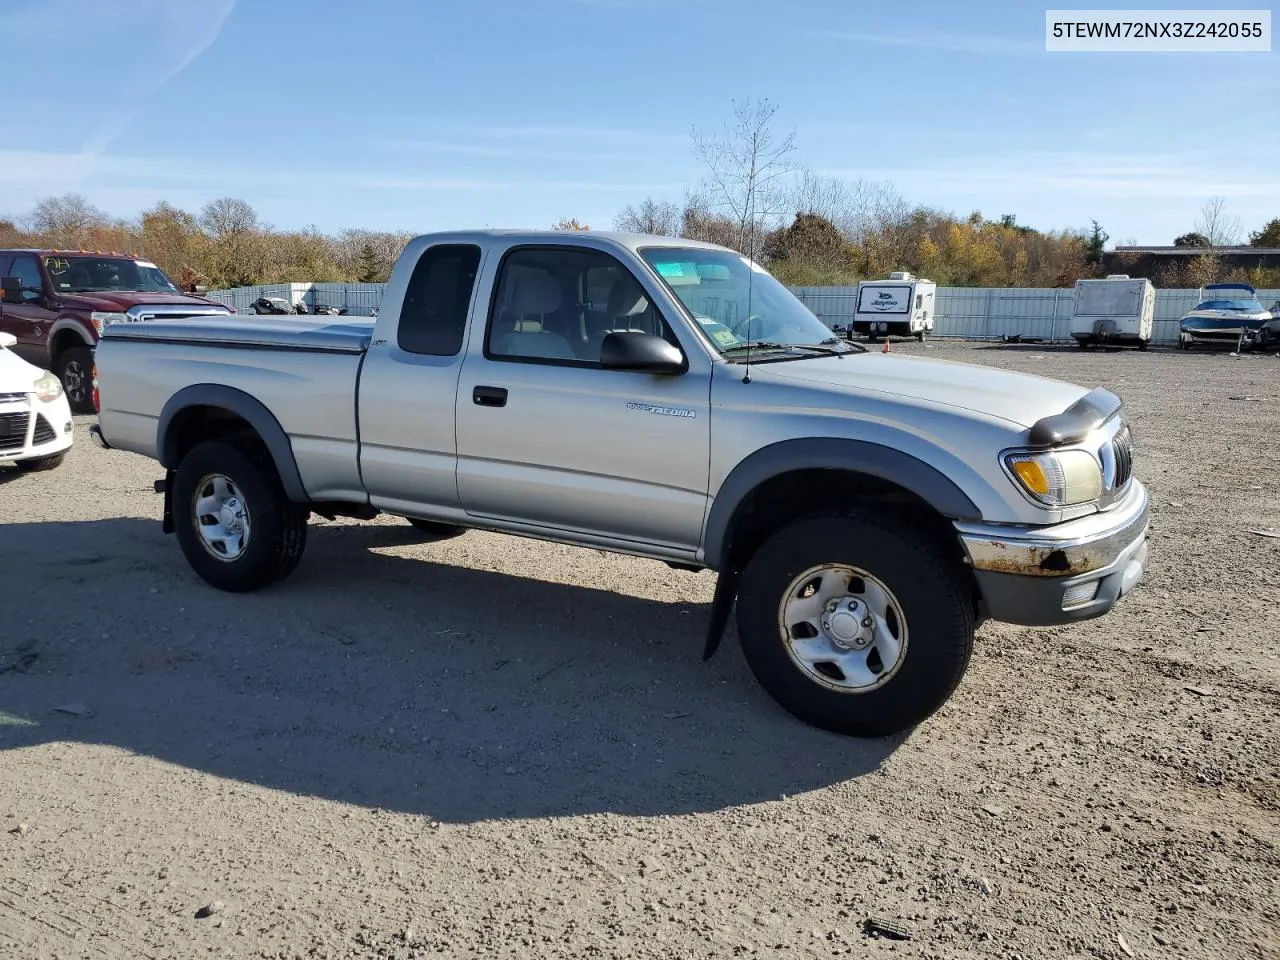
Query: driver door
point(548, 438)
point(29, 321)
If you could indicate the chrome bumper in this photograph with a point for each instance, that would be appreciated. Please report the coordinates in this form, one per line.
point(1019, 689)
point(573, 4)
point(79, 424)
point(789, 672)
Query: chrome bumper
point(1039, 576)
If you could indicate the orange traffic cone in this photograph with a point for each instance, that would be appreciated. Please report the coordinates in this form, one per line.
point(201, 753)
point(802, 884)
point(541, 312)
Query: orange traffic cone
point(886, 345)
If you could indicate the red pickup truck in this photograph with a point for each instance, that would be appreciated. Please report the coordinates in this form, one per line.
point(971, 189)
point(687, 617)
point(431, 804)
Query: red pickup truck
point(56, 303)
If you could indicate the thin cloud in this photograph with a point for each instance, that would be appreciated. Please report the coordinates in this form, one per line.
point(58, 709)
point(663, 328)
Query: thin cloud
point(153, 40)
point(951, 43)
point(500, 186)
point(1081, 173)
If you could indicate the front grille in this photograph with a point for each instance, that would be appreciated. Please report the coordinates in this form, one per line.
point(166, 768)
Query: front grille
point(12, 397)
point(1122, 445)
point(13, 430)
point(44, 431)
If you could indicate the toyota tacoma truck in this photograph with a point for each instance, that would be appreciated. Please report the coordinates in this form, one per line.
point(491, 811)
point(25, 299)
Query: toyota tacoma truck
point(665, 398)
point(57, 302)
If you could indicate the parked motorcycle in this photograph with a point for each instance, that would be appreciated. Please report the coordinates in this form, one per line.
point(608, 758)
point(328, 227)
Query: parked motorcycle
point(271, 305)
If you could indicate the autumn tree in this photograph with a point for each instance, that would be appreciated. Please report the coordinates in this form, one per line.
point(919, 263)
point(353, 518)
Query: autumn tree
point(238, 254)
point(1202, 270)
point(172, 238)
point(810, 250)
point(570, 224)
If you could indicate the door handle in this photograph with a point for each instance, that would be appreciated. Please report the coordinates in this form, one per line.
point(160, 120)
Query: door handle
point(489, 396)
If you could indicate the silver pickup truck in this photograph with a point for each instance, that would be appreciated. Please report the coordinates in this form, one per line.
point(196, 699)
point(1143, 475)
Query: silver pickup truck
point(662, 398)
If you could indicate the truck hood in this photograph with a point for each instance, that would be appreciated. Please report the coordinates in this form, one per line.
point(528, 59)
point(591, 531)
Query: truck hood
point(117, 301)
point(1019, 398)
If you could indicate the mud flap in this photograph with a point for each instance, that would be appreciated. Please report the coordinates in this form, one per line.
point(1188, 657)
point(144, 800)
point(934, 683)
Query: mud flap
point(165, 486)
point(721, 604)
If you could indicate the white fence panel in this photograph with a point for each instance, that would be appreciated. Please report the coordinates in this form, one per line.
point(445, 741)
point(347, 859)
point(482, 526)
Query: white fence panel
point(964, 313)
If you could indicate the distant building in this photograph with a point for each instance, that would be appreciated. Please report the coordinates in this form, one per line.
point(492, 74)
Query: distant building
point(1153, 262)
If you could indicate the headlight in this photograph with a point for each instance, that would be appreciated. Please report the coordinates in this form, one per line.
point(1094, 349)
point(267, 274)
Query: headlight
point(101, 320)
point(1058, 478)
point(48, 388)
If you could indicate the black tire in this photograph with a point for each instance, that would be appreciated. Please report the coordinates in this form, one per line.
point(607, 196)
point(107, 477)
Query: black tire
point(920, 336)
point(930, 588)
point(1143, 344)
point(74, 368)
point(435, 530)
point(277, 530)
point(39, 464)
point(1082, 344)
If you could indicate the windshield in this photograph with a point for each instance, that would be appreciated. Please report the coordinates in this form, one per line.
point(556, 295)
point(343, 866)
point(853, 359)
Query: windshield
point(1251, 306)
point(734, 301)
point(90, 274)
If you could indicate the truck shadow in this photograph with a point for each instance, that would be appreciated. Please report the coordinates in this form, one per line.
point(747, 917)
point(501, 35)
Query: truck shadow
point(416, 684)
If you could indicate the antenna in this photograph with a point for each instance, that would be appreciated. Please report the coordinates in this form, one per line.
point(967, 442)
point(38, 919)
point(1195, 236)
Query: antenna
point(751, 275)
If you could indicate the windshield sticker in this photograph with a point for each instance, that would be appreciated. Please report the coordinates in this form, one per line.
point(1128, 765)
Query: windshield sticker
point(57, 265)
point(670, 269)
point(726, 338)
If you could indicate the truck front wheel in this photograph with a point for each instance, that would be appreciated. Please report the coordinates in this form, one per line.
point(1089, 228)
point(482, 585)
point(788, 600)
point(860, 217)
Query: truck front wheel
point(234, 522)
point(855, 623)
point(74, 368)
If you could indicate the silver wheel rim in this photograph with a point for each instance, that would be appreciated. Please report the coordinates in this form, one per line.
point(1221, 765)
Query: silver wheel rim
point(843, 628)
point(221, 517)
point(73, 381)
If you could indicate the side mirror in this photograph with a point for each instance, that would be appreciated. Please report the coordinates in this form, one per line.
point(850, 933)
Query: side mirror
point(12, 289)
point(641, 352)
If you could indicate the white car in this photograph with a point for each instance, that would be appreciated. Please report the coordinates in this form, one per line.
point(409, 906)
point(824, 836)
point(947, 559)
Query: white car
point(35, 418)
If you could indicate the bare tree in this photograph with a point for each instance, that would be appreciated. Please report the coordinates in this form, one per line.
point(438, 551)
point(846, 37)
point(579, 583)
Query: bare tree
point(747, 166)
point(1216, 225)
point(227, 217)
point(658, 218)
point(67, 220)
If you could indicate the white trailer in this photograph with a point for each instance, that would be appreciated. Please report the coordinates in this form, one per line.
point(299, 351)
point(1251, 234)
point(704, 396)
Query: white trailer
point(901, 306)
point(1119, 310)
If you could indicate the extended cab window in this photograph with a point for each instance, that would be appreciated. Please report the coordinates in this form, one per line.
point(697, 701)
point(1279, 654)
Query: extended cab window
point(558, 304)
point(28, 273)
point(434, 315)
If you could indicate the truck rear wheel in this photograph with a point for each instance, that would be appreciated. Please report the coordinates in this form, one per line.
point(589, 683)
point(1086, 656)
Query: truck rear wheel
point(855, 623)
point(235, 524)
point(74, 368)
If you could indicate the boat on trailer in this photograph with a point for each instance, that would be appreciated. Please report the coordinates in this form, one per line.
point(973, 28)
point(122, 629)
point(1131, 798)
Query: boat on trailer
point(1225, 313)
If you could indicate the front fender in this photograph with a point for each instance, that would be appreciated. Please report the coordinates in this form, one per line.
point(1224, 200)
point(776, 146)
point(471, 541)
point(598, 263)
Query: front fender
point(69, 323)
point(857, 456)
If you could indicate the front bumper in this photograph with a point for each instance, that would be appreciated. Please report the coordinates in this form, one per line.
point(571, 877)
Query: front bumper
point(1041, 576)
point(31, 429)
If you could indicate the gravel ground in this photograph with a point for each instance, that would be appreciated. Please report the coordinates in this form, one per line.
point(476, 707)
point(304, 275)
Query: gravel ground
point(491, 747)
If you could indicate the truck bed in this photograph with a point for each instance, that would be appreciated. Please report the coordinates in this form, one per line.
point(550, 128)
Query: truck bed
point(302, 370)
point(346, 335)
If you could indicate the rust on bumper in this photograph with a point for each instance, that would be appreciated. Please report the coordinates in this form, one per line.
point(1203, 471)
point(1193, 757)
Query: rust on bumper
point(1064, 549)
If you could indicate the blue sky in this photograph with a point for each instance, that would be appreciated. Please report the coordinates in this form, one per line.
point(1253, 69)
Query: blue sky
point(430, 114)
